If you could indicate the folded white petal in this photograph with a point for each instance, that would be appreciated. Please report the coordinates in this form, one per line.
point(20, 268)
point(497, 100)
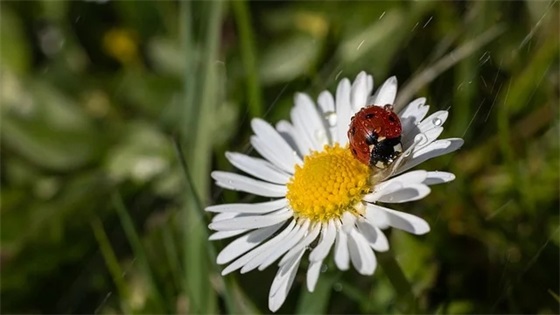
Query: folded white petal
point(341, 256)
point(438, 177)
point(261, 208)
point(240, 262)
point(282, 283)
point(235, 181)
point(434, 149)
point(415, 111)
point(373, 235)
point(343, 110)
point(403, 221)
point(435, 120)
point(361, 254)
point(413, 177)
point(410, 118)
point(245, 243)
point(313, 272)
point(386, 93)
point(252, 221)
point(259, 168)
point(328, 235)
point(409, 192)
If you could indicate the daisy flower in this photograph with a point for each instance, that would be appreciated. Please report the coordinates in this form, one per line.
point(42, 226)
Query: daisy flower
point(322, 199)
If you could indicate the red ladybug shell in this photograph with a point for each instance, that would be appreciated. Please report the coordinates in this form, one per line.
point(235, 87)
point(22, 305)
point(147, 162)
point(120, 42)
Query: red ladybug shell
point(373, 133)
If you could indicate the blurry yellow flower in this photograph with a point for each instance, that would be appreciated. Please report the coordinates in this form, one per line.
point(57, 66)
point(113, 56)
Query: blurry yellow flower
point(122, 45)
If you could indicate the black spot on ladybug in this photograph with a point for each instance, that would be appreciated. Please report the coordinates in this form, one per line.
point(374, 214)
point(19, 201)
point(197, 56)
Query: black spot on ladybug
point(354, 151)
point(353, 131)
point(370, 116)
point(392, 119)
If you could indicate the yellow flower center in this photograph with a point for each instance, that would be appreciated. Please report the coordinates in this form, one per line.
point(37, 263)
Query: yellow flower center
point(329, 183)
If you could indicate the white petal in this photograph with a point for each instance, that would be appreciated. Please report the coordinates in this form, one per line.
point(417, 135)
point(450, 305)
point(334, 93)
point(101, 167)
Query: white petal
point(343, 110)
point(226, 234)
point(431, 127)
point(328, 235)
point(258, 167)
point(313, 274)
point(438, 177)
point(341, 256)
point(262, 207)
point(305, 113)
point(326, 102)
point(328, 110)
point(359, 93)
point(282, 283)
point(407, 193)
point(308, 239)
point(361, 254)
point(252, 222)
point(413, 177)
point(376, 217)
point(369, 81)
point(404, 221)
point(434, 149)
point(272, 146)
point(415, 111)
point(348, 221)
point(433, 121)
point(240, 262)
point(289, 133)
point(234, 181)
point(245, 243)
point(386, 93)
point(382, 190)
point(225, 216)
point(411, 117)
point(373, 235)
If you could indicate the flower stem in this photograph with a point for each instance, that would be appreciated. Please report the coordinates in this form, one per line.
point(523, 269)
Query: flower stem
point(405, 300)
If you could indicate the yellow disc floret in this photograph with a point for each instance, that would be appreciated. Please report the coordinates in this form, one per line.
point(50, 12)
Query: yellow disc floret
point(329, 183)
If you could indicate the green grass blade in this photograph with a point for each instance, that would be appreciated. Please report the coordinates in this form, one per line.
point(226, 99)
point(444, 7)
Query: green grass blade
point(406, 300)
point(248, 56)
point(202, 103)
point(112, 264)
point(139, 252)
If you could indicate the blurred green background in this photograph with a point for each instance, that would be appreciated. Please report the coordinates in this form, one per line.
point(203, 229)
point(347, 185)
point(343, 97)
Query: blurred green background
point(114, 113)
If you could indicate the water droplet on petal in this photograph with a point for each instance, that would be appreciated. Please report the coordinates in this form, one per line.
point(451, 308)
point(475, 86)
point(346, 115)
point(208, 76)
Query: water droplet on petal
point(324, 268)
point(331, 118)
point(437, 121)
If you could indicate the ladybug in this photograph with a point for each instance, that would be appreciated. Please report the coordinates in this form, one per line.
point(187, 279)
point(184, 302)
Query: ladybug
point(375, 135)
